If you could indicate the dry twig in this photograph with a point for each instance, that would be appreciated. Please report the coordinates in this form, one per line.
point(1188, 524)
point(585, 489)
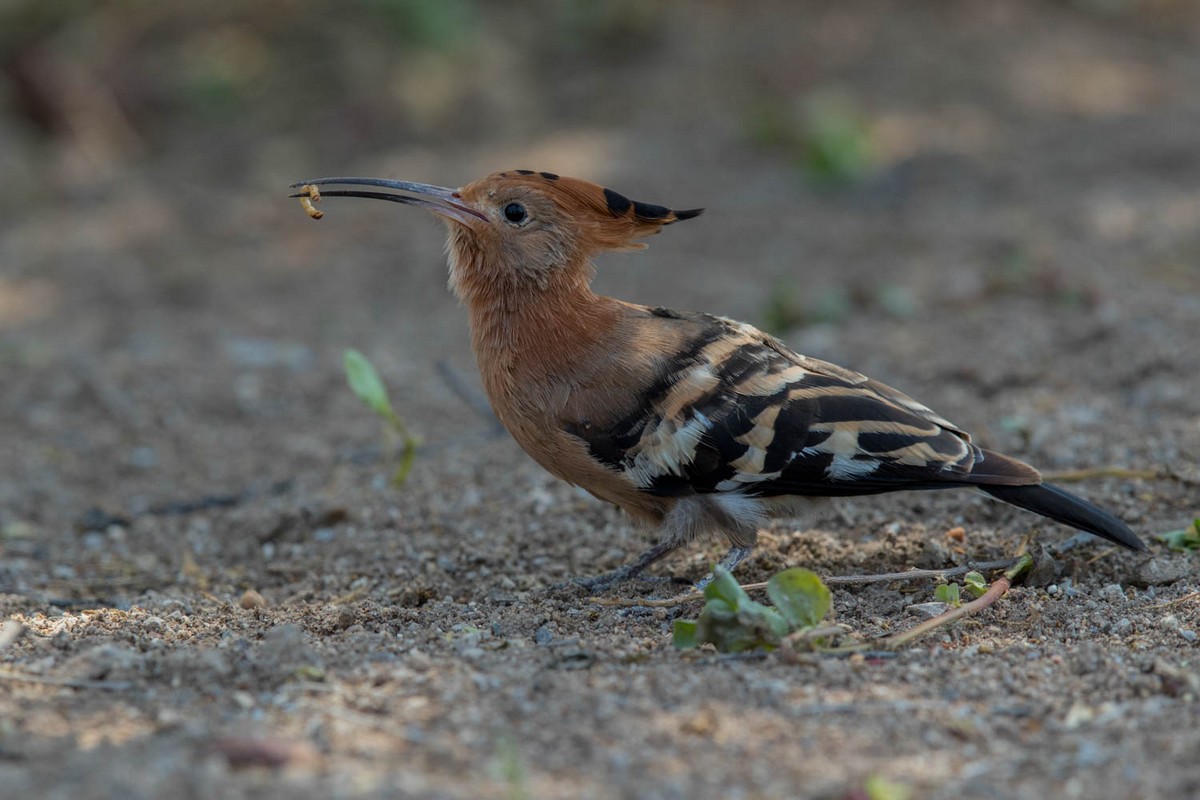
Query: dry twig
point(832, 580)
point(1178, 601)
point(72, 683)
point(997, 590)
point(1078, 475)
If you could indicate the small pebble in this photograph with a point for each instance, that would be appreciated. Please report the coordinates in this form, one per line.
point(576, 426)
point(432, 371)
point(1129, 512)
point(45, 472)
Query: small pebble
point(1052, 589)
point(419, 660)
point(1188, 635)
point(346, 616)
point(1162, 570)
point(10, 632)
point(252, 599)
point(272, 752)
point(928, 610)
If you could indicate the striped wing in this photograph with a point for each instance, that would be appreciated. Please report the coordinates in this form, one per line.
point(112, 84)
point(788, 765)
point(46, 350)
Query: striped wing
point(737, 411)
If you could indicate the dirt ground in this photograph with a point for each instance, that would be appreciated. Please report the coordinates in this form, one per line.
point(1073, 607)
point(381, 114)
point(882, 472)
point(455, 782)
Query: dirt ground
point(1022, 253)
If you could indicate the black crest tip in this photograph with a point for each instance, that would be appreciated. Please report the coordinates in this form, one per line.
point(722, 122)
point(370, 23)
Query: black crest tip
point(649, 211)
point(618, 204)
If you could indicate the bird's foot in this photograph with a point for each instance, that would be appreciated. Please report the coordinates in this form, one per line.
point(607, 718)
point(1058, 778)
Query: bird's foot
point(598, 584)
point(735, 556)
point(604, 582)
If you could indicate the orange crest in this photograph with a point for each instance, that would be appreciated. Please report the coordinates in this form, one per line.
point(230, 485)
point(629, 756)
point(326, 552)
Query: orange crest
point(602, 219)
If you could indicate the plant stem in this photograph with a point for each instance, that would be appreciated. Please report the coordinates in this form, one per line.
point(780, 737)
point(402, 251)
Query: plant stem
point(24, 677)
point(1077, 475)
point(997, 590)
point(834, 580)
point(408, 454)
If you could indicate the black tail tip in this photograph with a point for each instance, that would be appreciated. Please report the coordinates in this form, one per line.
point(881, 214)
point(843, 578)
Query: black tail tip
point(1062, 506)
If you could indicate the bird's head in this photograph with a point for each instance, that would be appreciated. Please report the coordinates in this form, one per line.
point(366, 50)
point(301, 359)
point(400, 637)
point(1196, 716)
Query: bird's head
point(522, 228)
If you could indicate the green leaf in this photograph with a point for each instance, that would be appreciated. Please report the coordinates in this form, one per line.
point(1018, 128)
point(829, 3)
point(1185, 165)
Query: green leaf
point(1184, 539)
point(725, 587)
point(837, 149)
point(800, 596)
point(878, 787)
point(735, 623)
point(752, 628)
point(511, 767)
point(975, 583)
point(947, 593)
point(365, 382)
point(684, 634)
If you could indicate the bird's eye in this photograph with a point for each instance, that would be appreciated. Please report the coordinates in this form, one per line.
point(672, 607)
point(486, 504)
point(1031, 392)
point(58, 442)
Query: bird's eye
point(515, 213)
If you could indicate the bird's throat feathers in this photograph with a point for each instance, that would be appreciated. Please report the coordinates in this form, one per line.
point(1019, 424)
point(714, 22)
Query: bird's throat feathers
point(525, 317)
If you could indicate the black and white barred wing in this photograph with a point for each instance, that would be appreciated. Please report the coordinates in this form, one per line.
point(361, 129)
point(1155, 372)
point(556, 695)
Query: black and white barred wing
point(744, 414)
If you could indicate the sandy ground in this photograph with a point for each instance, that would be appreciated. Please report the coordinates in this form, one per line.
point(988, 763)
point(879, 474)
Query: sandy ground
point(175, 431)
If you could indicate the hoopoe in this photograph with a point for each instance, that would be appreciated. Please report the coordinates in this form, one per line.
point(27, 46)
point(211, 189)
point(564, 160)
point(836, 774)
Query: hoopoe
point(693, 423)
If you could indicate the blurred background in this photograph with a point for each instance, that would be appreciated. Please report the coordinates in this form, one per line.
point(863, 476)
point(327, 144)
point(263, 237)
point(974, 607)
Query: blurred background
point(993, 205)
point(942, 194)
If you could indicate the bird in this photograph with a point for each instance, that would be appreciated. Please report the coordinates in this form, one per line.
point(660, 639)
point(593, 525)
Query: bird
point(692, 423)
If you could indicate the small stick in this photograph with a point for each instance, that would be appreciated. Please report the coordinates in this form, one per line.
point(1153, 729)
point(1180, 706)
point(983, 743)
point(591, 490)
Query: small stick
point(1099, 556)
point(808, 634)
point(1187, 598)
point(834, 580)
point(1077, 475)
point(23, 677)
point(917, 574)
point(997, 590)
point(670, 602)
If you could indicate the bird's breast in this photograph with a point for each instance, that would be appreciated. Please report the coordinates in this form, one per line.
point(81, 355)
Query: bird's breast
point(546, 409)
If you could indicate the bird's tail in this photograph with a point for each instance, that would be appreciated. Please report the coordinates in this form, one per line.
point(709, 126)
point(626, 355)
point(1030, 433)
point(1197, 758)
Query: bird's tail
point(1062, 506)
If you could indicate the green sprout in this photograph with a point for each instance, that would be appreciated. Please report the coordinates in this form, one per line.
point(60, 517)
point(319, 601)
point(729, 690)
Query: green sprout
point(951, 593)
point(975, 583)
point(787, 308)
point(828, 135)
point(878, 787)
point(511, 768)
point(365, 382)
point(948, 593)
point(735, 623)
point(1184, 539)
point(836, 146)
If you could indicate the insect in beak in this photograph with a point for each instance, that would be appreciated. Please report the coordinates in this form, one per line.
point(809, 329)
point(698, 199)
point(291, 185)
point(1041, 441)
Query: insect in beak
point(438, 199)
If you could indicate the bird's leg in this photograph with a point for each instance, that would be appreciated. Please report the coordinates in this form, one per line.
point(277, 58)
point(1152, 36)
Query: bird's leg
point(606, 581)
point(731, 559)
point(681, 526)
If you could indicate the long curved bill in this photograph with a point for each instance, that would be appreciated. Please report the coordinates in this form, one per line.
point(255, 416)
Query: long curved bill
point(438, 199)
